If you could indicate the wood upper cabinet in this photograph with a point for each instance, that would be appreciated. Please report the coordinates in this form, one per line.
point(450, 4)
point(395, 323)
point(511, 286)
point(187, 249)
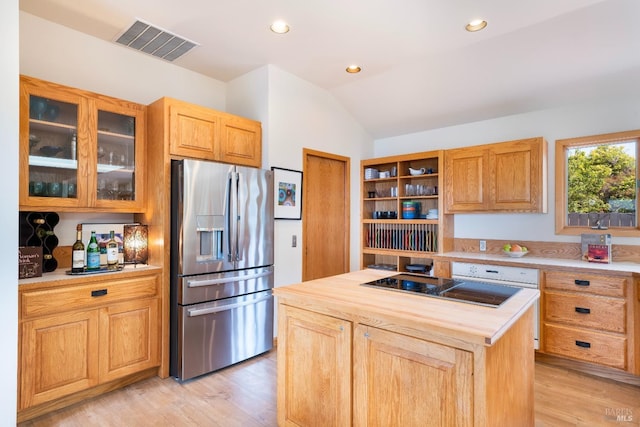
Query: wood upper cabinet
point(193, 130)
point(404, 381)
point(88, 333)
point(314, 387)
point(240, 141)
point(504, 177)
point(202, 133)
point(80, 151)
point(466, 180)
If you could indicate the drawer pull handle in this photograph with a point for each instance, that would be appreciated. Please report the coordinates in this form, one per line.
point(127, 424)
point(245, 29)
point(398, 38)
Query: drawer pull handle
point(581, 282)
point(583, 310)
point(583, 344)
point(99, 293)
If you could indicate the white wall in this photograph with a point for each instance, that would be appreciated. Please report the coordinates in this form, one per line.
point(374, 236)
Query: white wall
point(8, 215)
point(591, 118)
point(56, 53)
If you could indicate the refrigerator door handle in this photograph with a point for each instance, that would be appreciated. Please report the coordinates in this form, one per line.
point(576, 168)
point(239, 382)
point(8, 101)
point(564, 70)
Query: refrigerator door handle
point(240, 217)
point(198, 283)
point(194, 312)
point(232, 216)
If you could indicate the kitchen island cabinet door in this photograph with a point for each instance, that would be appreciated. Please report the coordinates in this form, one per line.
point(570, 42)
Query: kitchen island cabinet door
point(58, 356)
point(314, 369)
point(129, 341)
point(404, 381)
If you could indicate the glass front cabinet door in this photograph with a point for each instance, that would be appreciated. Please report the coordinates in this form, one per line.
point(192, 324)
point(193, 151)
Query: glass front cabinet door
point(79, 150)
point(117, 181)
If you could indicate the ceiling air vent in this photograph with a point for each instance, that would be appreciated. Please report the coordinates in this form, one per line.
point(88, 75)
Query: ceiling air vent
point(155, 41)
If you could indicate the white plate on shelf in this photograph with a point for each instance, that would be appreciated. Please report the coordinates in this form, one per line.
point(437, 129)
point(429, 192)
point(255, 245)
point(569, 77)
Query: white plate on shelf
point(515, 254)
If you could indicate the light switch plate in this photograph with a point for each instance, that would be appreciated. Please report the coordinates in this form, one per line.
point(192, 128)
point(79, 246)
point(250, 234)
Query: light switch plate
point(483, 245)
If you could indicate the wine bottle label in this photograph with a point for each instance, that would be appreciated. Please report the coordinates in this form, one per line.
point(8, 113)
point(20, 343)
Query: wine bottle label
point(112, 255)
point(77, 259)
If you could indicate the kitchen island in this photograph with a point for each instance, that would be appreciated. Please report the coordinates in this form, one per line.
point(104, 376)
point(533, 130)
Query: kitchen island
point(355, 355)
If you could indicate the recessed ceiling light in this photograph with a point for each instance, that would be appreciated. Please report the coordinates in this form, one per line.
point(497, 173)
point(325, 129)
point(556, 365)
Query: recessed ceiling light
point(353, 69)
point(280, 27)
point(476, 25)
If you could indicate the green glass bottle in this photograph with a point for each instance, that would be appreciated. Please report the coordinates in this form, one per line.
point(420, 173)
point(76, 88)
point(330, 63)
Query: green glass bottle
point(93, 253)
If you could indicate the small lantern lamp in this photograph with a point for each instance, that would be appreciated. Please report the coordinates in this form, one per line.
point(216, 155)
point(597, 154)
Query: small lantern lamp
point(135, 244)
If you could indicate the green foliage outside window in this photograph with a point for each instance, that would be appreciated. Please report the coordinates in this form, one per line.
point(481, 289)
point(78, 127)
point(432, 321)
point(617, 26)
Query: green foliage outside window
point(601, 179)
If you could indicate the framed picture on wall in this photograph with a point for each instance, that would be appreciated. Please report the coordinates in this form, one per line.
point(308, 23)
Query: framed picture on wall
point(287, 191)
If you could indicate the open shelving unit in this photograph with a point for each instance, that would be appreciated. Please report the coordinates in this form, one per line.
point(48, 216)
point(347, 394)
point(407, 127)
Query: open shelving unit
point(389, 241)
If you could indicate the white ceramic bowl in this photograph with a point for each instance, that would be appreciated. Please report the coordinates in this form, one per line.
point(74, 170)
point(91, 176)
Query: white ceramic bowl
point(416, 171)
point(516, 254)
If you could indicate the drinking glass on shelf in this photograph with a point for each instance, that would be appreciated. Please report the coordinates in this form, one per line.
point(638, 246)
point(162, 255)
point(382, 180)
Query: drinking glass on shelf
point(409, 190)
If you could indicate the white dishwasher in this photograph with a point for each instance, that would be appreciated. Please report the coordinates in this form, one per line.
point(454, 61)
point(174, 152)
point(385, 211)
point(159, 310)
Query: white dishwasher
point(519, 277)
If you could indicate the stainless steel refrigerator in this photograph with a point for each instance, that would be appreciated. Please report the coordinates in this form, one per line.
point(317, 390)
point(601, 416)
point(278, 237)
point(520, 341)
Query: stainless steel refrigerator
point(221, 265)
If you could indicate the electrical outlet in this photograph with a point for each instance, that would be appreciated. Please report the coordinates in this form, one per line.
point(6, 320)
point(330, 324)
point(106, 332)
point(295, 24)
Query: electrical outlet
point(483, 245)
point(294, 241)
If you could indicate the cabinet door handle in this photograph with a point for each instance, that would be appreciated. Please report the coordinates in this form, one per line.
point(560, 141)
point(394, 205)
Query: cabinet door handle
point(98, 293)
point(583, 310)
point(581, 282)
point(583, 344)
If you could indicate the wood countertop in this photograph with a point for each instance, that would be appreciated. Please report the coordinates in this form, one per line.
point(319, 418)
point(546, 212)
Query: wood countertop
point(59, 277)
point(343, 297)
point(616, 268)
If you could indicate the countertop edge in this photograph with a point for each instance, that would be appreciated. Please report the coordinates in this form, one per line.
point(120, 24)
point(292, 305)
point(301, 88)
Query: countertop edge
point(454, 320)
point(621, 268)
point(59, 277)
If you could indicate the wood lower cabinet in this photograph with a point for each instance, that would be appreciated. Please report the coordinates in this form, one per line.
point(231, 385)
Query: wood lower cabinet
point(129, 340)
point(202, 133)
point(104, 331)
point(58, 357)
point(402, 380)
point(589, 317)
point(316, 362)
point(338, 372)
point(503, 177)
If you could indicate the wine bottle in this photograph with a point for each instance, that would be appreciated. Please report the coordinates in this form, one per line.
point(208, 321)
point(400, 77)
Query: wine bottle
point(112, 252)
point(93, 253)
point(78, 255)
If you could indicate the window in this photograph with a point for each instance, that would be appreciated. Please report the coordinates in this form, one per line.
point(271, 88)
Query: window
point(596, 184)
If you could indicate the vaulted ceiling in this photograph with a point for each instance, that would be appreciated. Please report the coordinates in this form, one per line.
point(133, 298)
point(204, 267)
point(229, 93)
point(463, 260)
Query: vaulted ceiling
point(420, 68)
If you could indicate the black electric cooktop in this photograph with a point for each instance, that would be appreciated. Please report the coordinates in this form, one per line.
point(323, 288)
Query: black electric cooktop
point(468, 291)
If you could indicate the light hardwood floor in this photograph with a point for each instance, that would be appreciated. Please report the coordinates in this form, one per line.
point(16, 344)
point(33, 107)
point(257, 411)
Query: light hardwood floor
point(244, 395)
